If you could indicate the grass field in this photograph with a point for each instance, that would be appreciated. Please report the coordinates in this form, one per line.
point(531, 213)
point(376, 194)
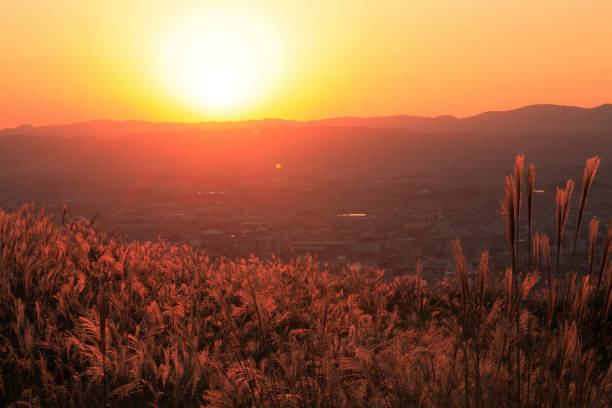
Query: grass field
point(89, 320)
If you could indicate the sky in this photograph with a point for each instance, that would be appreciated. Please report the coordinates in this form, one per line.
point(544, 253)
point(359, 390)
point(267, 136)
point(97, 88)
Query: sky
point(72, 60)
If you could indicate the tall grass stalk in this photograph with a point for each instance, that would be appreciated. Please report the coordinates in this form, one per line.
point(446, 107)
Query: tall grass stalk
point(552, 286)
point(508, 214)
point(519, 164)
point(462, 275)
point(103, 312)
point(593, 228)
point(562, 209)
point(518, 174)
point(535, 244)
point(530, 184)
point(511, 215)
point(587, 180)
point(605, 253)
point(483, 270)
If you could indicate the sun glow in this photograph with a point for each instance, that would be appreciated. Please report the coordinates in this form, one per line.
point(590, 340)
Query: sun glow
point(221, 62)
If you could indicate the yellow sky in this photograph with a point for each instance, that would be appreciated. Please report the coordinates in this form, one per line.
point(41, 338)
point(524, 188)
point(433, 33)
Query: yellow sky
point(73, 60)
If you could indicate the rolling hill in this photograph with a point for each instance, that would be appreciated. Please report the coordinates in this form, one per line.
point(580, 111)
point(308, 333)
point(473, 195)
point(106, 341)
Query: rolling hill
point(528, 119)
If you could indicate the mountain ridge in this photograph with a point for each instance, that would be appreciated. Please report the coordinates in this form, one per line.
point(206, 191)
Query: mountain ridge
point(537, 118)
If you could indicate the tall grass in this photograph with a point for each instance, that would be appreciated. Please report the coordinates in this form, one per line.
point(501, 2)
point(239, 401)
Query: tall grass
point(88, 320)
point(532, 252)
point(562, 209)
point(605, 254)
point(587, 180)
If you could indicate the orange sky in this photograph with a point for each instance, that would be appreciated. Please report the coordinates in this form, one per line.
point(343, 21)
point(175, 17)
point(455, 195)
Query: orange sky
point(73, 60)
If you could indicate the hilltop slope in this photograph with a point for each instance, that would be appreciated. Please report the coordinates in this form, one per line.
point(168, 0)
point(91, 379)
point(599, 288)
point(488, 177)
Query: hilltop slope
point(91, 321)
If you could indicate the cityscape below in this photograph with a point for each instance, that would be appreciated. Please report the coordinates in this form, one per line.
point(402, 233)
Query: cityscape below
point(348, 195)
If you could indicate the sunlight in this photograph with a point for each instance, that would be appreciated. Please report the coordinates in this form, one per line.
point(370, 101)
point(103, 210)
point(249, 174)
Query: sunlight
point(220, 61)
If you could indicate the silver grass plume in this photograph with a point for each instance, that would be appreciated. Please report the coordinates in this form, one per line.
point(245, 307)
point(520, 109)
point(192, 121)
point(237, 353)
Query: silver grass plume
point(563, 198)
point(587, 180)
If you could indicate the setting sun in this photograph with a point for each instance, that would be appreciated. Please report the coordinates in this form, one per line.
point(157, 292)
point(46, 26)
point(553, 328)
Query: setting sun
point(220, 61)
point(193, 60)
point(271, 203)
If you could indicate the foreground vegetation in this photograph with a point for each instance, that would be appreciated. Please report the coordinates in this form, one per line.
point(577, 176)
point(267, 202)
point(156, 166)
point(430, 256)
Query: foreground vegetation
point(86, 319)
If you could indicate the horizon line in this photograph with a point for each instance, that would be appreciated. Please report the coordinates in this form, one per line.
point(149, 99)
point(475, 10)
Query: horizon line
point(605, 104)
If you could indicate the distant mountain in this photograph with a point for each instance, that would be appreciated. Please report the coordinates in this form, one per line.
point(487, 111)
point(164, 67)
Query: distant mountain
point(541, 119)
point(525, 120)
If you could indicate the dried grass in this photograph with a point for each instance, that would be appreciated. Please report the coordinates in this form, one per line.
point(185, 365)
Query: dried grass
point(90, 321)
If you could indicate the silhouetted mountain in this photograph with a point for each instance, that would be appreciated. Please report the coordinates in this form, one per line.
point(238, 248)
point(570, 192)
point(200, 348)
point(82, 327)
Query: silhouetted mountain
point(541, 119)
point(529, 119)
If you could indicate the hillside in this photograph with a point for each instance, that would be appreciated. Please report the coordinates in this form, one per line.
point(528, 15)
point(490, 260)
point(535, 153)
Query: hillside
point(90, 320)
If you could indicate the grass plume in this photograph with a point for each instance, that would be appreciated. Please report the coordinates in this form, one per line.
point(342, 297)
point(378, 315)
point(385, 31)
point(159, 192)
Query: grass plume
point(587, 180)
point(89, 320)
point(562, 208)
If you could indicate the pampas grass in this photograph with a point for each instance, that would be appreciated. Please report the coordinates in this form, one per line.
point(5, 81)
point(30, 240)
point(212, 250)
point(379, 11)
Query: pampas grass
point(530, 184)
point(605, 253)
point(593, 227)
point(88, 320)
point(508, 209)
point(483, 270)
point(552, 286)
point(519, 165)
point(587, 180)
point(562, 209)
point(511, 209)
